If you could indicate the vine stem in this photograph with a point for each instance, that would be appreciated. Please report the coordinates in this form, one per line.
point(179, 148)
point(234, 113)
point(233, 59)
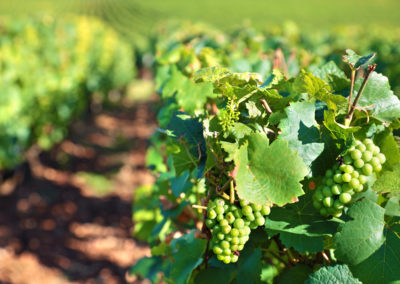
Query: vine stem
point(353, 77)
point(232, 191)
point(349, 117)
point(266, 106)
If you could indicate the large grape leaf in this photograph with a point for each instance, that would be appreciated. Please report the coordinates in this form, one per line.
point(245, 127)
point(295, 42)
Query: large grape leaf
point(299, 129)
point(359, 238)
point(338, 130)
point(389, 181)
point(383, 265)
point(295, 275)
point(187, 253)
point(339, 273)
point(190, 96)
point(355, 60)
point(148, 267)
point(329, 68)
point(269, 173)
point(318, 89)
point(385, 140)
point(300, 225)
point(386, 106)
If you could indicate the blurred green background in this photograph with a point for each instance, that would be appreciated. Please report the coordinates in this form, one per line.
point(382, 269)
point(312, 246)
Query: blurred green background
point(132, 17)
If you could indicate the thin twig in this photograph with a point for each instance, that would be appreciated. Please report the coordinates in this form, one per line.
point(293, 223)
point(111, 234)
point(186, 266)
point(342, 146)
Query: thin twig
point(199, 206)
point(353, 76)
point(266, 106)
point(364, 83)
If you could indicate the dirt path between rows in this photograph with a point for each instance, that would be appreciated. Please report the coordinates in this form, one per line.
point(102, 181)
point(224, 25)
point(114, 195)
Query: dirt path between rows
point(70, 219)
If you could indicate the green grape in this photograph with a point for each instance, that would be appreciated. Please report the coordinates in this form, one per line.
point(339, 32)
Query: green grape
point(355, 174)
point(361, 147)
point(338, 178)
point(221, 236)
point(250, 217)
point(224, 245)
point(356, 154)
point(327, 191)
point(346, 177)
point(338, 204)
point(239, 223)
point(327, 202)
point(210, 223)
point(318, 195)
point(329, 182)
point(354, 183)
point(227, 259)
point(324, 212)
point(367, 169)
point(247, 210)
point(329, 173)
point(348, 169)
point(235, 241)
point(243, 203)
point(381, 158)
point(220, 210)
point(220, 217)
point(362, 179)
point(234, 232)
point(347, 160)
point(375, 162)
point(240, 247)
point(230, 218)
point(367, 156)
point(336, 189)
point(359, 163)
point(224, 222)
point(265, 210)
point(234, 247)
point(256, 207)
point(220, 257)
point(226, 229)
point(359, 188)
point(378, 168)
point(317, 204)
point(367, 141)
point(211, 214)
point(217, 250)
point(345, 198)
point(337, 214)
point(376, 150)
point(260, 221)
point(234, 258)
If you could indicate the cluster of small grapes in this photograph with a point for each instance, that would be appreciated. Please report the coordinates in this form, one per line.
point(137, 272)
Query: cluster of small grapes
point(342, 182)
point(231, 225)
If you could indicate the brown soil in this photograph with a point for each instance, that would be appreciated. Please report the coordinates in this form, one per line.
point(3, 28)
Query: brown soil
point(55, 227)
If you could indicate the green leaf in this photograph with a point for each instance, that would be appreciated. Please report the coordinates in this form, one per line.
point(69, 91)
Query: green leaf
point(187, 255)
point(339, 131)
point(240, 130)
point(386, 106)
point(300, 225)
point(148, 267)
point(359, 238)
point(389, 181)
point(253, 110)
point(318, 89)
point(249, 263)
point(269, 173)
point(339, 273)
point(230, 149)
point(181, 183)
point(184, 160)
point(329, 68)
point(392, 207)
point(382, 266)
point(299, 129)
point(356, 61)
point(295, 275)
point(220, 275)
point(211, 74)
point(386, 141)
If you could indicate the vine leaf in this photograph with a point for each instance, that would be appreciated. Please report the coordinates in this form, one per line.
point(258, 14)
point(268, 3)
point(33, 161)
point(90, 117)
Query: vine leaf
point(148, 267)
point(269, 173)
point(187, 253)
point(382, 266)
point(389, 181)
point(295, 275)
point(305, 82)
point(339, 131)
point(377, 93)
point(385, 140)
point(300, 226)
point(359, 238)
point(356, 61)
point(339, 273)
point(299, 129)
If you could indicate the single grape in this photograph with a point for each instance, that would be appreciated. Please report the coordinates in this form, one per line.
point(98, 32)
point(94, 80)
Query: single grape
point(227, 259)
point(367, 169)
point(362, 179)
point(317, 204)
point(381, 158)
point(246, 210)
point(376, 150)
point(375, 162)
point(217, 250)
point(355, 174)
point(256, 207)
point(356, 154)
point(234, 232)
point(359, 163)
point(361, 147)
point(219, 210)
point(327, 202)
point(220, 236)
point(226, 229)
point(224, 222)
point(336, 189)
point(235, 241)
point(265, 210)
point(210, 223)
point(347, 160)
point(211, 214)
point(230, 218)
point(354, 183)
point(329, 182)
point(324, 212)
point(348, 169)
point(220, 217)
point(239, 223)
point(345, 198)
point(359, 188)
point(329, 173)
point(224, 245)
point(367, 141)
point(327, 191)
point(377, 168)
point(338, 204)
point(234, 258)
point(260, 221)
point(338, 178)
point(367, 156)
point(318, 195)
point(346, 177)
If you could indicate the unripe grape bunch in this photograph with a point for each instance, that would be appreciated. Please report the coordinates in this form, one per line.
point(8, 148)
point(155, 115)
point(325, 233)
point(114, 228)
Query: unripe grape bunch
point(343, 181)
point(231, 225)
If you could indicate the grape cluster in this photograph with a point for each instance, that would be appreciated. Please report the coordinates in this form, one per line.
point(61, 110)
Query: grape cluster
point(350, 177)
point(231, 225)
